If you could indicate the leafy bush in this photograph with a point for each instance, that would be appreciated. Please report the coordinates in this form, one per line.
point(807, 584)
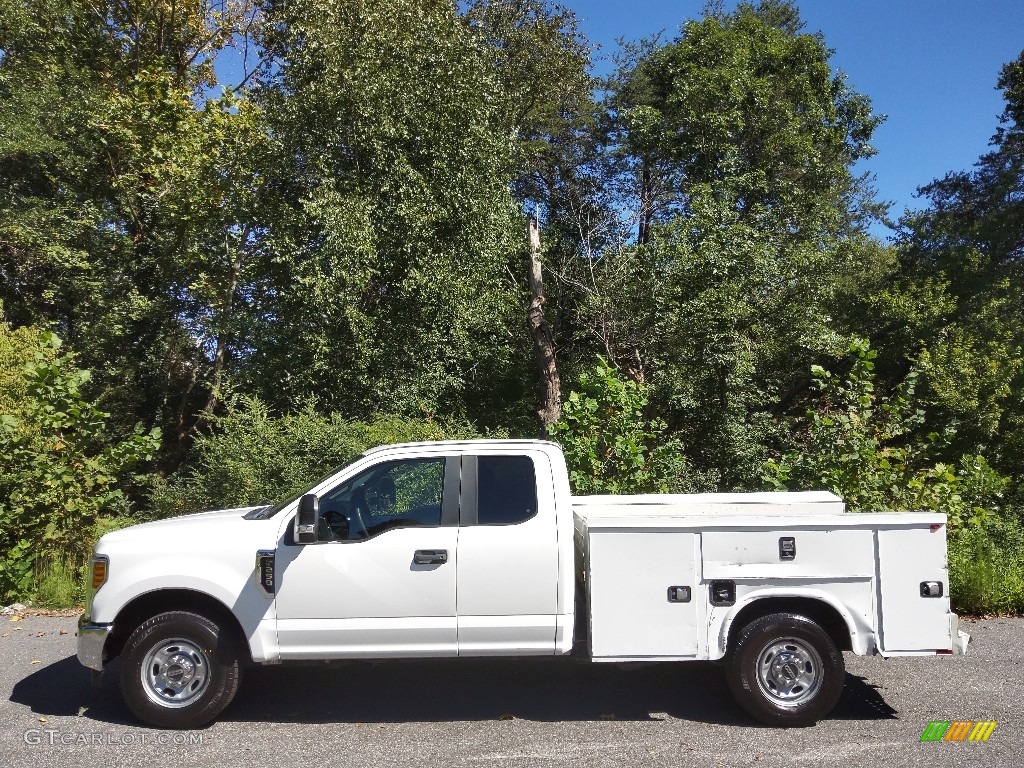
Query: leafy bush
point(609, 444)
point(865, 448)
point(61, 467)
point(255, 458)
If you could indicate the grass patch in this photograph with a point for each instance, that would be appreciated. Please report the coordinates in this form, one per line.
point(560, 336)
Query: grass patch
point(59, 582)
point(986, 569)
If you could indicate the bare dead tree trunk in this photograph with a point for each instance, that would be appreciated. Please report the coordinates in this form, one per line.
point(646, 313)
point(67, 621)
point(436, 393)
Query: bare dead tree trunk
point(551, 385)
point(646, 203)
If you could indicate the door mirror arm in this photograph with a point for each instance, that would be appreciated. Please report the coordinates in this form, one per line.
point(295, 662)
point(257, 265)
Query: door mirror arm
point(307, 521)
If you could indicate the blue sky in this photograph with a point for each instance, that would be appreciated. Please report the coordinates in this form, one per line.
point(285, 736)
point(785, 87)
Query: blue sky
point(931, 67)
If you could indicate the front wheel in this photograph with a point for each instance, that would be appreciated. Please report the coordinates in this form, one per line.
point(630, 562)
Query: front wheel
point(785, 670)
point(179, 670)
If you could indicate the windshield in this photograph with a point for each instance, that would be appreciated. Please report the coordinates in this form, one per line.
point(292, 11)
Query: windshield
point(264, 513)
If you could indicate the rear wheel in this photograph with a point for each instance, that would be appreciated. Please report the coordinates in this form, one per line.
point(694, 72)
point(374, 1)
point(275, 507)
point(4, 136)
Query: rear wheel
point(179, 670)
point(785, 670)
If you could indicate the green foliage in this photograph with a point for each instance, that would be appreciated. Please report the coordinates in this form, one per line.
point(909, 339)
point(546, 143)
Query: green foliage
point(728, 309)
point(734, 145)
point(18, 348)
point(340, 237)
point(393, 229)
point(751, 107)
point(126, 194)
point(610, 446)
point(967, 246)
point(867, 448)
point(61, 467)
point(544, 97)
point(986, 568)
point(255, 458)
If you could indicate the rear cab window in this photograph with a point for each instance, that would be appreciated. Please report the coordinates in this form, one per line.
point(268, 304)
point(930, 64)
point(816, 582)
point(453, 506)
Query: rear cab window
point(506, 490)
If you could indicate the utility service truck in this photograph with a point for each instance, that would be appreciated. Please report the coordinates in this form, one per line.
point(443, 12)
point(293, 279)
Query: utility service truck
point(478, 548)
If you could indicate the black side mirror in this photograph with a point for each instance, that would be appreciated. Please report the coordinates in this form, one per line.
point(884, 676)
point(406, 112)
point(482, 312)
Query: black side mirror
point(308, 519)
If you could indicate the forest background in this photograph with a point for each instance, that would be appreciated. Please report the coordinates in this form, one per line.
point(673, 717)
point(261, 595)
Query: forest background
point(212, 292)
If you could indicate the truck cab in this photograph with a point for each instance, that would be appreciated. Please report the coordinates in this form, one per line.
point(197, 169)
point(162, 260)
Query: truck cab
point(430, 550)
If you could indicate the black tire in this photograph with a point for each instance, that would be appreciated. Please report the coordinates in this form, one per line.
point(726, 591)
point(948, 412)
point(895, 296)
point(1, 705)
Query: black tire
point(785, 670)
point(179, 670)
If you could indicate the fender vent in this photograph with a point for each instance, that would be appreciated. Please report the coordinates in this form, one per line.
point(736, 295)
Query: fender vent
point(265, 571)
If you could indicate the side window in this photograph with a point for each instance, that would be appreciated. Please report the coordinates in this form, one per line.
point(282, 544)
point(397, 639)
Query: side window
point(394, 494)
point(506, 490)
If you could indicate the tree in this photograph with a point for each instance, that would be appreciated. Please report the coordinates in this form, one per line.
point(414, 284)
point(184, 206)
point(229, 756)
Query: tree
point(385, 283)
point(118, 204)
point(738, 141)
point(611, 446)
point(541, 62)
point(544, 344)
point(960, 264)
point(255, 457)
point(747, 104)
point(981, 210)
point(869, 449)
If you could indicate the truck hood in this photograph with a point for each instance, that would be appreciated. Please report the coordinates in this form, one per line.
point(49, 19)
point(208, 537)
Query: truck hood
point(220, 518)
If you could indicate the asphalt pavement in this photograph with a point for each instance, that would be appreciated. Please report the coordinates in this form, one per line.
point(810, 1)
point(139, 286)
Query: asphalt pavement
point(533, 712)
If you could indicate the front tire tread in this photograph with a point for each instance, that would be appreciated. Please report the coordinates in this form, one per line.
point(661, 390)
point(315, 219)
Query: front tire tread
point(224, 669)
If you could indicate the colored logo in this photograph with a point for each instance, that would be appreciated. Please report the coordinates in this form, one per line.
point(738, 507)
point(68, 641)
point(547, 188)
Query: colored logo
point(958, 730)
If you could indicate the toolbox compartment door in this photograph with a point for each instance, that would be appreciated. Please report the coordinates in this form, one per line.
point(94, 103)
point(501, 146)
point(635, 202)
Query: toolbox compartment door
point(908, 558)
point(636, 583)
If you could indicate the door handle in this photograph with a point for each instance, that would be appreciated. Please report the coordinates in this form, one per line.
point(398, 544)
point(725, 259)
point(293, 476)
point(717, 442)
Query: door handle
point(430, 556)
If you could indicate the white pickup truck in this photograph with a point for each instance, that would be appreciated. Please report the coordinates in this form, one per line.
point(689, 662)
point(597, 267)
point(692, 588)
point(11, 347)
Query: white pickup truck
point(478, 548)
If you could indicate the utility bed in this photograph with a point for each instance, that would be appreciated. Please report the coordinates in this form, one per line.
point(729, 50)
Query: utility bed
point(660, 568)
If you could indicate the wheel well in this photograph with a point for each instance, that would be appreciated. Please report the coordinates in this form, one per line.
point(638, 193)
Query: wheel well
point(818, 611)
point(146, 606)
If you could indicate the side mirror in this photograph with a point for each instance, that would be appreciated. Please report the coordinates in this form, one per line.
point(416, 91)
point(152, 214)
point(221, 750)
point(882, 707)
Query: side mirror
point(308, 519)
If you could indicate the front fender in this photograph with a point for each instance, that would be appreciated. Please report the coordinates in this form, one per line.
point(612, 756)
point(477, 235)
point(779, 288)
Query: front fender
point(228, 582)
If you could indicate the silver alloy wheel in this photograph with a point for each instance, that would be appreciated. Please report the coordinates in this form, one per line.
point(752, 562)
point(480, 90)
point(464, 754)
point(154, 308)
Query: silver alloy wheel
point(789, 671)
point(175, 673)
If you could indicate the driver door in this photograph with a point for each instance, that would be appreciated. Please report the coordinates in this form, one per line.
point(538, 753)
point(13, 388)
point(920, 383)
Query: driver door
point(381, 581)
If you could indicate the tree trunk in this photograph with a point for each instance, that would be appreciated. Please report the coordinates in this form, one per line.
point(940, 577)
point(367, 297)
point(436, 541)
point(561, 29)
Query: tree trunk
point(223, 335)
point(646, 203)
point(550, 384)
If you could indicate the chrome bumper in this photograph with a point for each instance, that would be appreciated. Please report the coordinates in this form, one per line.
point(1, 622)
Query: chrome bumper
point(91, 640)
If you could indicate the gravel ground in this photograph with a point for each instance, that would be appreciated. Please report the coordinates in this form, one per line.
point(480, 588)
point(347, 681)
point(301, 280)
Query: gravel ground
point(547, 712)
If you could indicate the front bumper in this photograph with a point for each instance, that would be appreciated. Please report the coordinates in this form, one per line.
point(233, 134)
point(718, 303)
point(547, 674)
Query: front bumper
point(91, 640)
